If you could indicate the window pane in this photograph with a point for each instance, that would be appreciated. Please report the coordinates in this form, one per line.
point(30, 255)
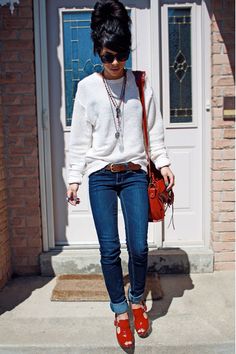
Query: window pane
point(180, 69)
point(79, 60)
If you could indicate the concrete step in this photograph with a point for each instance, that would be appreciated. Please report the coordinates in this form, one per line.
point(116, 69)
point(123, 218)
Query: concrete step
point(172, 260)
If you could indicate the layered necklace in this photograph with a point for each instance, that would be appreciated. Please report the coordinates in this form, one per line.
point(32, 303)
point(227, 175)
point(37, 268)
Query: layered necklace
point(116, 105)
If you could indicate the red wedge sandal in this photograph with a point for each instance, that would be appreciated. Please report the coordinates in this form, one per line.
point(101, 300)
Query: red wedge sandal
point(141, 323)
point(124, 333)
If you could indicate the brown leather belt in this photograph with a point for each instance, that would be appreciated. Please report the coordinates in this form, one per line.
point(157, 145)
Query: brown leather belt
point(121, 167)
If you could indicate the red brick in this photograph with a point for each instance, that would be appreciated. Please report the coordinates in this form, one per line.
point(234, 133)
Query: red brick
point(22, 150)
point(23, 172)
point(28, 100)
point(229, 134)
point(9, 78)
point(217, 154)
point(26, 251)
point(223, 246)
point(29, 77)
point(11, 100)
point(226, 237)
point(17, 23)
point(35, 242)
point(20, 89)
point(229, 175)
point(223, 185)
point(19, 67)
point(217, 112)
point(31, 161)
point(229, 216)
point(16, 182)
point(223, 206)
point(228, 154)
point(25, 12)
point(220, 123)
point(228, 196)
point(222, 144)
point(15, 161)
point(229, 91)
point(217, 38)
point(33, 260)
point(225, 257)
point(21, 260)
point(217, 175)
point(216, 196)
point(26, 3)
point(217, 133)
point(223, 226)
point(224, 266)
point(9, 35)
point(18, 110)
point(26, 56)
point(19, 242)
point(33, 221)
point(219, 59)
point(26, 270)
point(217, 101)
point(223, 80)
point(227, 69)
point(18, 221)
point(7, 56)
point(216, 48)
point(223, 165)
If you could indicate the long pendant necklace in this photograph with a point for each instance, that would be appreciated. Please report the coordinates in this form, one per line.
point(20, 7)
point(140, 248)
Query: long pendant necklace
point(116, 105)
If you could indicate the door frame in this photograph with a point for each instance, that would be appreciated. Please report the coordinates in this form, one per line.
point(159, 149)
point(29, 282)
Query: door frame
point(43, 114)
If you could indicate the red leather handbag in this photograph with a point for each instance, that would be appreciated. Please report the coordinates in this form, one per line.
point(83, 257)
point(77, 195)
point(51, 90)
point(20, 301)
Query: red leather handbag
point(159, 198)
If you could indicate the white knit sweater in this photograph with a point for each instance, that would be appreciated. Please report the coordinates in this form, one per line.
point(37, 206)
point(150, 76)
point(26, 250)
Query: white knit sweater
point(93, 144)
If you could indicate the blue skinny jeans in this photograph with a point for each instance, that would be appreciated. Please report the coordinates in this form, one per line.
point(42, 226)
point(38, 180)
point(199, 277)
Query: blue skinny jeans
point(131, 187)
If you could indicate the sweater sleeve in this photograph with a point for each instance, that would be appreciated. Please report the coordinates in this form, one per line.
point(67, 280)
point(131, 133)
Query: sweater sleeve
point(157, 149)
point(79, 142)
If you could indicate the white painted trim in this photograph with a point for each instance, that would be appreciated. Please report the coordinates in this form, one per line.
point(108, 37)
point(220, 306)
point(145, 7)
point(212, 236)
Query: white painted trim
point(44, 140)
point(155, 80)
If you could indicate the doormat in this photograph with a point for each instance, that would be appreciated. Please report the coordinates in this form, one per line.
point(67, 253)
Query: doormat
point(91, 287)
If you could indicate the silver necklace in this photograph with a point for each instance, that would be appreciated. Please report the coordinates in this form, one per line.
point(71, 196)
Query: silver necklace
point(117, 106)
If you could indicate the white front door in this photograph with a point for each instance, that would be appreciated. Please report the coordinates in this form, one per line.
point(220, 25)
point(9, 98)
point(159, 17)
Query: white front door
point(168, 44)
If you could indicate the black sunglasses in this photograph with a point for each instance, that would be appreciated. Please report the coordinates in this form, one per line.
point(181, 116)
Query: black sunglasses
point(109, 57)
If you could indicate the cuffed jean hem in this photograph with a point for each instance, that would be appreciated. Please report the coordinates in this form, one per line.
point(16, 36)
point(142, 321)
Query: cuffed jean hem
point(134, 299)
point(121, 307)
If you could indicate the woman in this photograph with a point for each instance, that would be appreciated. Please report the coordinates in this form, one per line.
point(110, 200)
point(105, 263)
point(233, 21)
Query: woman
point(107, 141)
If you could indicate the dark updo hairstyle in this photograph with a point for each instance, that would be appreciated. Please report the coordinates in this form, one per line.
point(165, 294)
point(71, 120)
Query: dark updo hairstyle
point(110, 25)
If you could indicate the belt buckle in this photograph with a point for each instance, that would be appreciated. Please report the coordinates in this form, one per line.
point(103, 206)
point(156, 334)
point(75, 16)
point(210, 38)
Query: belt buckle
point(111, 165)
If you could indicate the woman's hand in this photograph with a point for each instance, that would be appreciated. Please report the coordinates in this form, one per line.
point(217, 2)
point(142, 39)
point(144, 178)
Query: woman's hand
point(168, 176)
point(72, 193)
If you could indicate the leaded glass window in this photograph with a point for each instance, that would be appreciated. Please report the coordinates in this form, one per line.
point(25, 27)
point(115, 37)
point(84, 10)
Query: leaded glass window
point(180, 65)
point(79, 60)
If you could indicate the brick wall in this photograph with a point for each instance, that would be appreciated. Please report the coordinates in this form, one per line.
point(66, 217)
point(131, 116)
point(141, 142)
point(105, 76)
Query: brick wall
point(20, 136)
point(223, 143)
point(5, 260)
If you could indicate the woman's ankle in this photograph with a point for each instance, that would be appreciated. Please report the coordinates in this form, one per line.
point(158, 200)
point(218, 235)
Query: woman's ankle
point(122, 316)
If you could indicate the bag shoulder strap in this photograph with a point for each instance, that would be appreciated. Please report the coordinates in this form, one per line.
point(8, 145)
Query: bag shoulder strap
point(140, 82)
